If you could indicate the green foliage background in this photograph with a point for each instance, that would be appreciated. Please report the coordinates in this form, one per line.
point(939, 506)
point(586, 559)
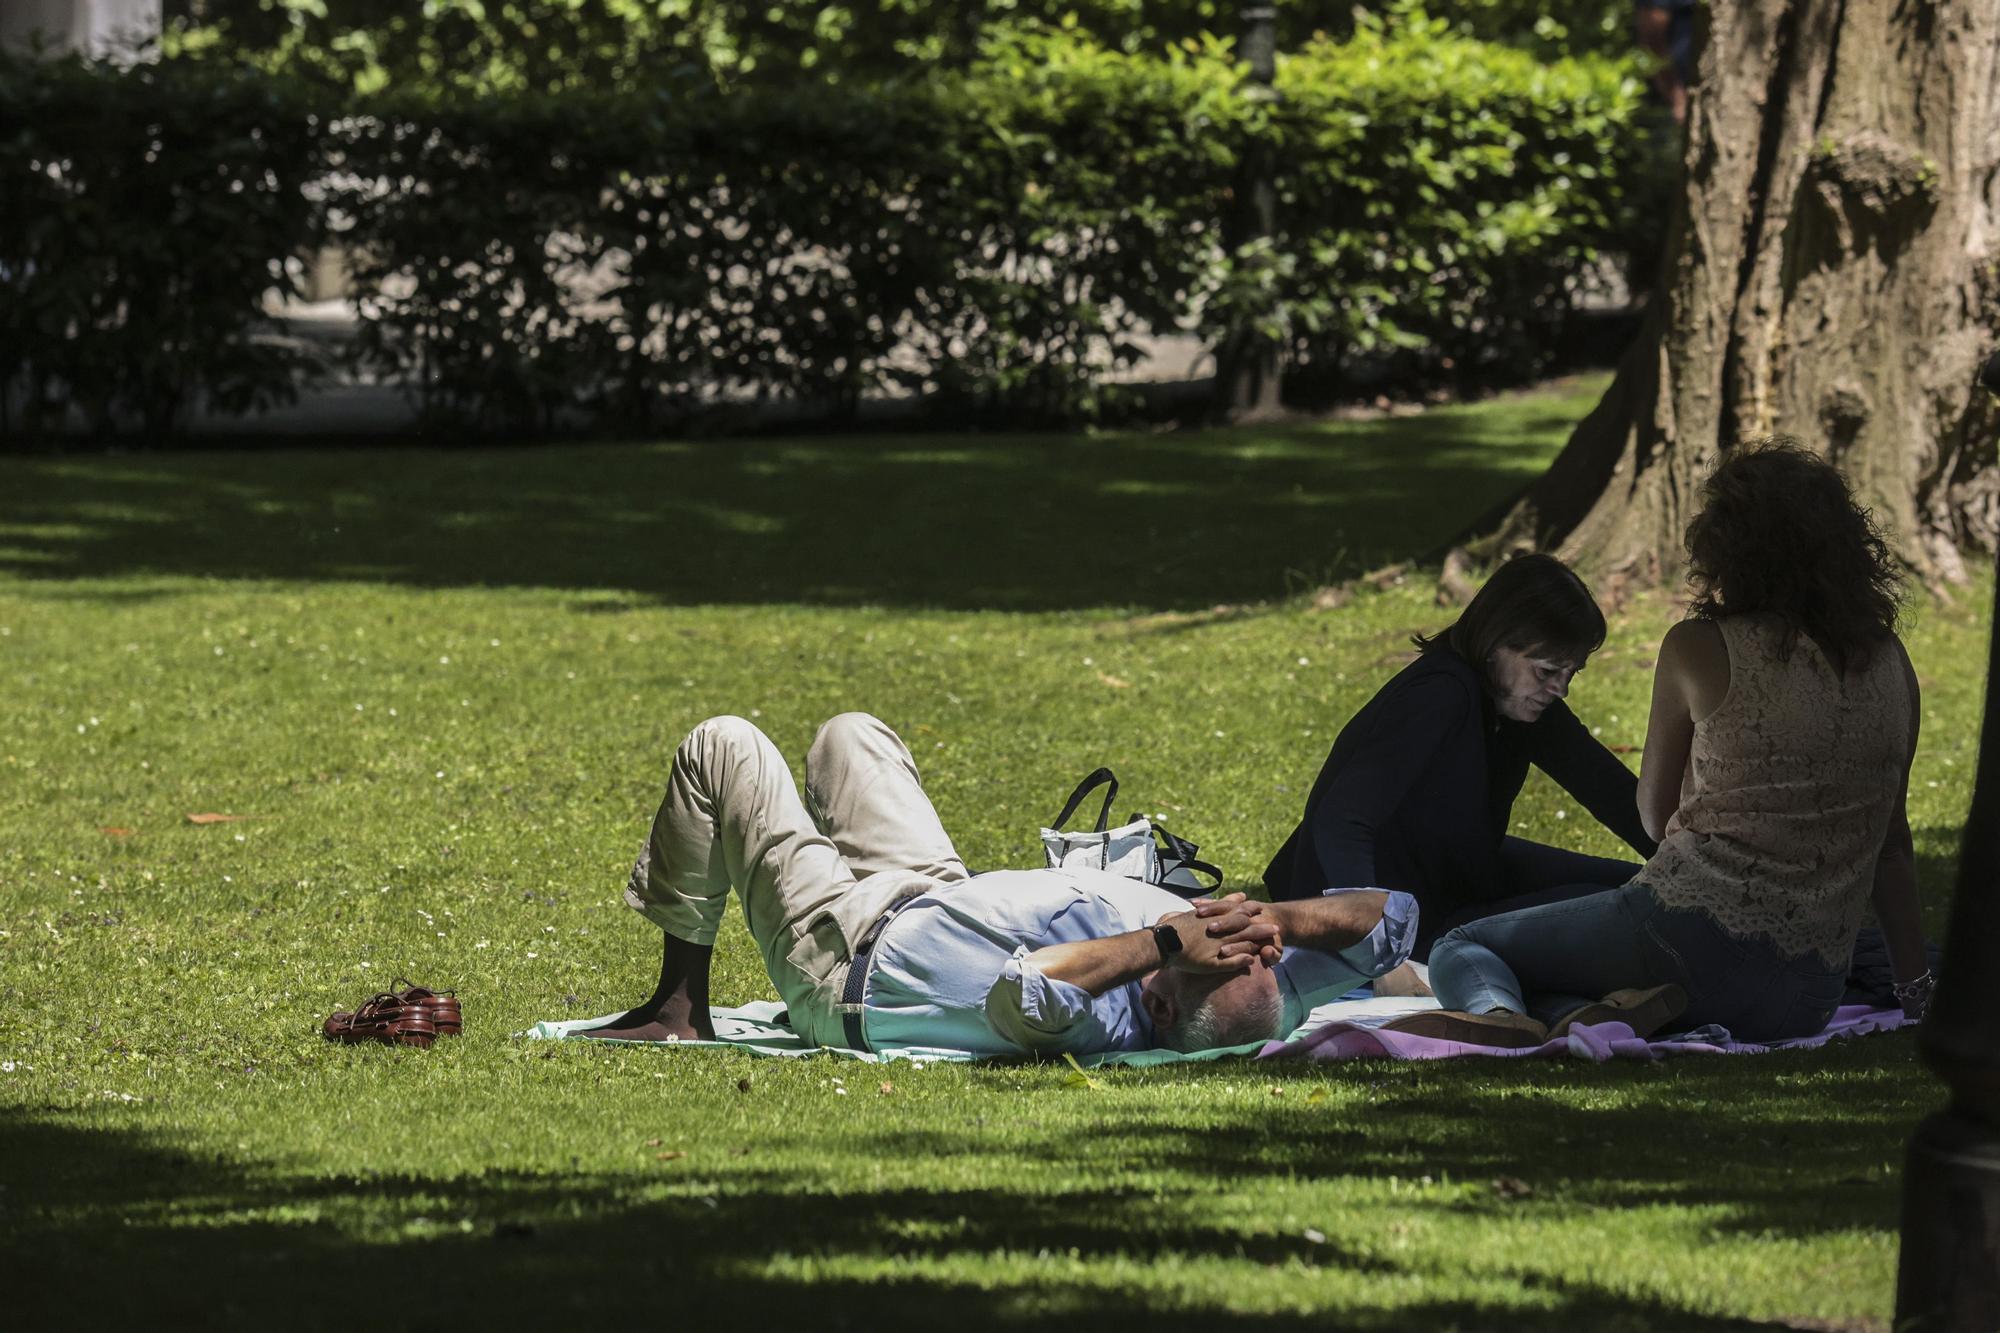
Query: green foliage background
point(997, 233)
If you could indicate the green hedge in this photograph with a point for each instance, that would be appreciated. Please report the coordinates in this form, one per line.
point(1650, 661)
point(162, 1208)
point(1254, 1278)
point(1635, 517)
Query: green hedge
point(996, 236)
point(516, 46)
point(144, 216)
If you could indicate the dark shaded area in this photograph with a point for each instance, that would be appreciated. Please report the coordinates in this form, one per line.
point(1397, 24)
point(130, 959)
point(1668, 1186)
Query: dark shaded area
point(1039, 523)
point(1790, 1157)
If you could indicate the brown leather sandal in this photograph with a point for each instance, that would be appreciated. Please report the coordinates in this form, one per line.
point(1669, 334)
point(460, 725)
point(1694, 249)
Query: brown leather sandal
point(440, 1005)
point(384, 1018)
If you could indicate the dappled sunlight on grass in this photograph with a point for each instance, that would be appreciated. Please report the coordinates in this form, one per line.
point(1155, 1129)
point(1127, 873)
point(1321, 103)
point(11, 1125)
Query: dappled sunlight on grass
point(444, 687)
point(1001, 522)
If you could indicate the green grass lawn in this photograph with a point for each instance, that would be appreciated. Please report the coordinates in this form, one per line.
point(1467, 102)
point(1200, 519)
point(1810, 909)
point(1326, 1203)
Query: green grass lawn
point(443, 688)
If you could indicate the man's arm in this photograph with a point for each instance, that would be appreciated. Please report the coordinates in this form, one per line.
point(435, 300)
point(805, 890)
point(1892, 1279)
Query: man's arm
point(1331, 923)
point(1336, 942)
point(1228, 941)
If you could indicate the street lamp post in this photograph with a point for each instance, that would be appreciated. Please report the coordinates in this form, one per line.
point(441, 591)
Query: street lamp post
point(1247, 372)
point(1949, 1276)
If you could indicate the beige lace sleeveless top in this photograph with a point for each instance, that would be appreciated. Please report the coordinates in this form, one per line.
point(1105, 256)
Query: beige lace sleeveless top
point(1794, 780)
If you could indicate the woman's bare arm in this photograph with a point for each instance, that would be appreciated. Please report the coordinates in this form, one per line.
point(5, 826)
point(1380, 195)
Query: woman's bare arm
point(1895, 891)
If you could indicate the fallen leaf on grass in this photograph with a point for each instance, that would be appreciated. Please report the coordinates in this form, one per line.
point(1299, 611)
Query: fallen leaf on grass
point(668, 1156)
point(886, 1088)
point(110, 832)
point(654, 1143)
point(1077, 1077)
point(1623, 749)
point(1512, 1187)
point(217, 819)
point(1114, 682)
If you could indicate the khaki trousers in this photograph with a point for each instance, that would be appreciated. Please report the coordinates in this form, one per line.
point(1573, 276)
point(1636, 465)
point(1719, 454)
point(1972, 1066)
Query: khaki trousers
point(813, 877)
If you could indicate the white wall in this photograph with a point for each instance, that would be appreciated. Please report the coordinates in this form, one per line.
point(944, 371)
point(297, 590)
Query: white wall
point(113, 28)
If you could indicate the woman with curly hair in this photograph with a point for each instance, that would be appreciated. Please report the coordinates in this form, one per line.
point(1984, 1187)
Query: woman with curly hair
point(1784, 718)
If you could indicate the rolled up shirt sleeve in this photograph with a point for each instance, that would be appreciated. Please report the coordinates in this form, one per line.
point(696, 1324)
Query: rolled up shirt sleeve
point(1040, 1013)
point(1308, 978)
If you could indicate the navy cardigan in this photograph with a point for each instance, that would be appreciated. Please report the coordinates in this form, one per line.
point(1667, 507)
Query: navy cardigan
point(1419, 788)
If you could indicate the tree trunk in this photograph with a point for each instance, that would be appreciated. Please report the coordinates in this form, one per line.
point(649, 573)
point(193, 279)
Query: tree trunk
point(1831, 273)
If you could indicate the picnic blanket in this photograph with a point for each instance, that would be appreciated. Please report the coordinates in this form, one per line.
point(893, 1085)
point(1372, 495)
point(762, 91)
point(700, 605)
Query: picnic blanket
point(1352, 1035)
point(1345, 1029)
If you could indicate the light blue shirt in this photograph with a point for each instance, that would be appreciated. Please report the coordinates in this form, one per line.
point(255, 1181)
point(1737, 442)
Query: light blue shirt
point(952, 969)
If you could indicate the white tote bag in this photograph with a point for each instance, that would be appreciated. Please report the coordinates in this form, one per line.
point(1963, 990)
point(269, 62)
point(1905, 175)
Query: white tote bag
point(1137, 850)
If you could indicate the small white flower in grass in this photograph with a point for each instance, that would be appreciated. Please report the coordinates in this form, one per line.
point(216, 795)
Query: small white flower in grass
point(482, 944)
point(533, 954)
point(240, 838)
point(840, 1092)
point(493, 643)
point(392, 712)
point(6, 1066)
point(444, 661)
point(756, 712)
point(440, 772)
point(218, 650)
point(79, 728)
point(359, 707)
point(1219, 735)
point(1562, 814)
point(1303, 661)
point(465, 703)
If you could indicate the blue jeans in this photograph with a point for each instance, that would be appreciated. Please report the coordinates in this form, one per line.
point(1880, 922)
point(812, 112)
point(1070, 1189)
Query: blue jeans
point(1546, 960)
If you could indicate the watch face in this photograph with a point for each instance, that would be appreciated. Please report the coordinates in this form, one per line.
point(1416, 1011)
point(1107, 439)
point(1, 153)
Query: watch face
point(1168, 939)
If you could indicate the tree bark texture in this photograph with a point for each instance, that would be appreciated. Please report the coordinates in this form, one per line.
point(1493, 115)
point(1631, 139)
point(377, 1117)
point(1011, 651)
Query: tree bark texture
point(1831, 273)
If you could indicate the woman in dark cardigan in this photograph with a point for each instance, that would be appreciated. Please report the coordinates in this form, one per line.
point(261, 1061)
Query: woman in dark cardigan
point(1419, 789)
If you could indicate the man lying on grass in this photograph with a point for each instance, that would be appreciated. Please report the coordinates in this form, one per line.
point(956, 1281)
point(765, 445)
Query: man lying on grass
point(877, 937)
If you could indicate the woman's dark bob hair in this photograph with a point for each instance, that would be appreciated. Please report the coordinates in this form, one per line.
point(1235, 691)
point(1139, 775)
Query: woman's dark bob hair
point(1533, 603)
point(1780, 532)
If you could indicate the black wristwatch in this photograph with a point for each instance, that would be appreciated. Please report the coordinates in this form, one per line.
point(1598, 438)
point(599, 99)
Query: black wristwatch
point(1169, 941)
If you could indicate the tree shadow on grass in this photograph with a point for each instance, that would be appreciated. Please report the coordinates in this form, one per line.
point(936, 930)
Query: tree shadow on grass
point(115, 1227)
point(1172, 522)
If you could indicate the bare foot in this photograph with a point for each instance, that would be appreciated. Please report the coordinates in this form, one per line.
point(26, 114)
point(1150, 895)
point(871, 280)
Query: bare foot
point(653, 1031)
point(674, 1019)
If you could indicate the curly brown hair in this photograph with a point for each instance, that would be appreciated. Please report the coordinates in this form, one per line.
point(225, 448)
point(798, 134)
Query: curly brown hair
point(1780, 532)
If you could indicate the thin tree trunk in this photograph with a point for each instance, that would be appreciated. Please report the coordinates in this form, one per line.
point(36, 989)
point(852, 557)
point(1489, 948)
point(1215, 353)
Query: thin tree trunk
point(1831, 273)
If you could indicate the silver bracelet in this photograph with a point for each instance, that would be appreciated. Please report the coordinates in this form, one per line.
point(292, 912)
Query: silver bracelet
point(1916, 988)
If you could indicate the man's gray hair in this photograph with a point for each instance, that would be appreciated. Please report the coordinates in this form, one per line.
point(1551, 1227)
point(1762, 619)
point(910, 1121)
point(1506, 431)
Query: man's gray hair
point(1207, 1025)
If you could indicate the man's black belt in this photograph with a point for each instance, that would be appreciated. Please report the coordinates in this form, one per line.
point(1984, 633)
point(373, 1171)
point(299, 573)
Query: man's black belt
point(857, 974)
